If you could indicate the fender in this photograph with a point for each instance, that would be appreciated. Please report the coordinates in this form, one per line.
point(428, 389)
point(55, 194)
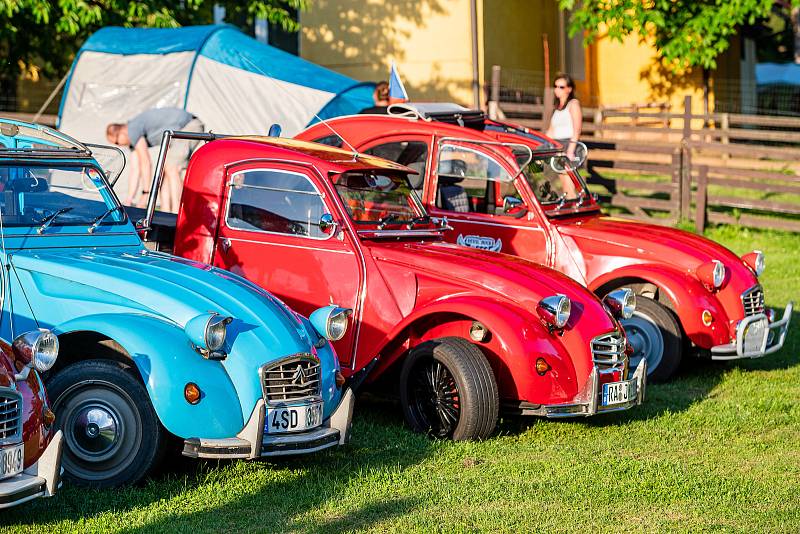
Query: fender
point(165, 373)
point(687, 298)
point(517, 339)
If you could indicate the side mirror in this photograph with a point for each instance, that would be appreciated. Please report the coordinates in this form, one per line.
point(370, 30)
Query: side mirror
point(327, 225)
point(512, 205)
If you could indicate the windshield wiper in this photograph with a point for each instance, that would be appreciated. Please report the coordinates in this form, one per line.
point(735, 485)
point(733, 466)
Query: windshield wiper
point(423, 219)
point(48, 220)
point(383, 221)
point(100, 218)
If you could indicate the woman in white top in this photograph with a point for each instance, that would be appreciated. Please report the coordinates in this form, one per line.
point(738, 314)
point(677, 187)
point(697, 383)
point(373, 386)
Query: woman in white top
point(566, 122)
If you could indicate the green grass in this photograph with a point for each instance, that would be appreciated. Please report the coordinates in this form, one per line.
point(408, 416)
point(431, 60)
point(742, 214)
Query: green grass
point(716, 450)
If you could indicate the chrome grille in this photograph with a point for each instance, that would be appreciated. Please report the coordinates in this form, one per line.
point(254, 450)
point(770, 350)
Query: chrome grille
point(753, 301)
point(295, 378)
point(10, 417)
point(609, 348)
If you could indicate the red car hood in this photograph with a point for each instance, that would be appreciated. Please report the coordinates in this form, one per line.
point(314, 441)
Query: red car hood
point(6, 366)
point(453, 269)
point(650, 243)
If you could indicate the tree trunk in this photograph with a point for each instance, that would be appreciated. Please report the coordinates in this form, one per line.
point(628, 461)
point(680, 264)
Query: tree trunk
point(796, 31)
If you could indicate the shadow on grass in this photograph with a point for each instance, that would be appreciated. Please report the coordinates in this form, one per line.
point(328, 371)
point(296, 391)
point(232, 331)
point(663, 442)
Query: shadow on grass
point(248, 499)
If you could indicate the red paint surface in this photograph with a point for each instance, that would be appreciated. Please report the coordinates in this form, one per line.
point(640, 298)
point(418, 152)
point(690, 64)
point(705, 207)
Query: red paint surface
point(403, 291)
point(591, 248)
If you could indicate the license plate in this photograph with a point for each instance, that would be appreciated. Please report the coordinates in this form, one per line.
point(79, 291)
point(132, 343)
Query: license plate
point(11, 461)
point(616, 393)
point(283, 419)
point(754, 337)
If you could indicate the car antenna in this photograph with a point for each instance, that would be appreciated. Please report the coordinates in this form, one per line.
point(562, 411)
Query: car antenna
point(291, 96)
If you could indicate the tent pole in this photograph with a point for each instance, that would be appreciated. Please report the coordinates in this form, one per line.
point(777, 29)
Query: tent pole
point(50, 98)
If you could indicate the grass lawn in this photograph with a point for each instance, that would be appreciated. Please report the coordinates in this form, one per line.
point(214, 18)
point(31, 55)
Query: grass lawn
point(718, 449)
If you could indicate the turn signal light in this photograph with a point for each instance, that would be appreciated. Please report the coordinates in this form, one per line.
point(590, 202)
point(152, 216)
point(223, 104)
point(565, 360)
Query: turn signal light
point(542, 366)
point(339, 379)
point(48, 417)
point(707, 318)
point(192, 393)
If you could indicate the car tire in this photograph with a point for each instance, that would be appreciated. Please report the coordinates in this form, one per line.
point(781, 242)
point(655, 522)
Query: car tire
point(654, 334)
point(448, 390)
point(112, 435)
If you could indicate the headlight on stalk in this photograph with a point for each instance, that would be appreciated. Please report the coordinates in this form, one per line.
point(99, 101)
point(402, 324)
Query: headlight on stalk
point(621, 302)
point(712, 274)
point(554, 311)
point(331, 322)
point(755, 260)
point(208, 332)
point(37, 349)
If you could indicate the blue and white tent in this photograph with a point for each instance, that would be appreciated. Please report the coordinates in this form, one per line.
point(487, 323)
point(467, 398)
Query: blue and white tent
point(233, 83)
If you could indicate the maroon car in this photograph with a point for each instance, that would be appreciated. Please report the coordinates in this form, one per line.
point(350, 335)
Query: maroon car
point(30, 448)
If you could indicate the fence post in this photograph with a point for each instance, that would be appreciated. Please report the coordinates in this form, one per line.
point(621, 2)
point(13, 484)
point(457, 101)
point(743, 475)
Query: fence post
point(494, 94)
point(686, 180)
point(701, 199)
point(725, 126)
point(635, 114)
point(598, 122)
point(687, 117)
point(677, 172)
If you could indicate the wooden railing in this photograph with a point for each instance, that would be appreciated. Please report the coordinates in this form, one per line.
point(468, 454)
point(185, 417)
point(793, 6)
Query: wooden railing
point(654, 164)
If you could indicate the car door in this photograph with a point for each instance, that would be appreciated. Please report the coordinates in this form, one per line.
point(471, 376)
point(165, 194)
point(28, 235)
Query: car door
point(271, 234)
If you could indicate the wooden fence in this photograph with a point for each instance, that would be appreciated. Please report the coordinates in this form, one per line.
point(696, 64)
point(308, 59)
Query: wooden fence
point(664, 166)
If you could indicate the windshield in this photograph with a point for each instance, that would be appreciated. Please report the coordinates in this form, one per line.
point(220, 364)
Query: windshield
point(20, 137)
point(375, 198)
point(31, 194)
point(549, 186)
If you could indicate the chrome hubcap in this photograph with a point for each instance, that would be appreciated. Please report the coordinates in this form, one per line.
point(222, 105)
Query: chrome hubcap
point(96, 430)
point(646, 339)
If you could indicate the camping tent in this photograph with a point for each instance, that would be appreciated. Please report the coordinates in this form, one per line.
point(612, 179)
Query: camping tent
point(233, 83)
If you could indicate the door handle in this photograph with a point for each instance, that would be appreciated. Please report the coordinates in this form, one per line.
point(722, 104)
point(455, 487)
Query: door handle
point(225, 244)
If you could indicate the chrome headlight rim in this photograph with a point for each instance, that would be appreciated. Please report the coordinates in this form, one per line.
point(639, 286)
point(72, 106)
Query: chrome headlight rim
point(37, 349)
point(216, 332)
point(337, 323)
point(621, 302)
point(756, 262)
point(719, 273)
point(555, 310)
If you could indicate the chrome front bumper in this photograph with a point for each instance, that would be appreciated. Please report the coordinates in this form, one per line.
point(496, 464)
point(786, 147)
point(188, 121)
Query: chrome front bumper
point(252, 442)
point(755, 337)
point(39, 480)
point(590, 402)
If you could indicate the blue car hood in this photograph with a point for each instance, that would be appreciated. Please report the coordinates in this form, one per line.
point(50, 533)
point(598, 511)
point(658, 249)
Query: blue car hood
point(152, 283)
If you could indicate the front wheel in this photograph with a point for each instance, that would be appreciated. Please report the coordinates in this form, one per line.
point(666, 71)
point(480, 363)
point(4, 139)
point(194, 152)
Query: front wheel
point(112, 435)
point(655, 336)
point(448, 390)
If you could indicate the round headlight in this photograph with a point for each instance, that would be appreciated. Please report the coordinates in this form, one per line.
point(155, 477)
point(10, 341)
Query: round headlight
point(712, 274)
point(216, 332)
point(337, 324)
point(621, 302)
point(755, 260)
point(37, 348)
point(555, 310)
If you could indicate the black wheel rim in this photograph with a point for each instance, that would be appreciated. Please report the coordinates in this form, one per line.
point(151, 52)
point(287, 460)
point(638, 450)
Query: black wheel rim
point(434, 397)
point(102, 430)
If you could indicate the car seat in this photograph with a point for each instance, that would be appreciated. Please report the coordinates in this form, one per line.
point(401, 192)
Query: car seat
point(452, 196)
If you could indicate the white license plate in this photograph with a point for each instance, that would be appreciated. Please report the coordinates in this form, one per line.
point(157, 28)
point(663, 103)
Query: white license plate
point(617, 393)
point(11, 460)
point(293, 418)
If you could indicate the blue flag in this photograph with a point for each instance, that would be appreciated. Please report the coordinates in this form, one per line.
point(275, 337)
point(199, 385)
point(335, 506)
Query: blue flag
point(397, 92)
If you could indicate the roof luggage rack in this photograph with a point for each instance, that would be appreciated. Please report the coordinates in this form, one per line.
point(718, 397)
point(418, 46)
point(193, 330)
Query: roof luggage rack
point(441, 112)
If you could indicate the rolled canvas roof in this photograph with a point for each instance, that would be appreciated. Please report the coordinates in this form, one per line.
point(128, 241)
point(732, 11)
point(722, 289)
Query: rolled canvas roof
point(233, 83)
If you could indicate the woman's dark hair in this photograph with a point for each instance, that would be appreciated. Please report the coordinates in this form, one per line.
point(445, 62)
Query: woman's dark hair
point(570, 83)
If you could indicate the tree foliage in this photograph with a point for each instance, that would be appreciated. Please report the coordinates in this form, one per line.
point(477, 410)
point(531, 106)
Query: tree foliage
point(43, 35)
point(686, 33)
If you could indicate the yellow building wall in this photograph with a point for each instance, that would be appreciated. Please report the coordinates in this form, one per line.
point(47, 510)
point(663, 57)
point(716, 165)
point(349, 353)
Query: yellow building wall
point(513, 32)
point(430, 40)
point(627, 72)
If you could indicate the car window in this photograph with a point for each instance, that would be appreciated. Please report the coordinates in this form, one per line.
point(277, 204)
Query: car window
point(549, 186)
point(471, 181)
point(30, 194)
point(412, 154)
point(372, 198)
point(275, 201)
